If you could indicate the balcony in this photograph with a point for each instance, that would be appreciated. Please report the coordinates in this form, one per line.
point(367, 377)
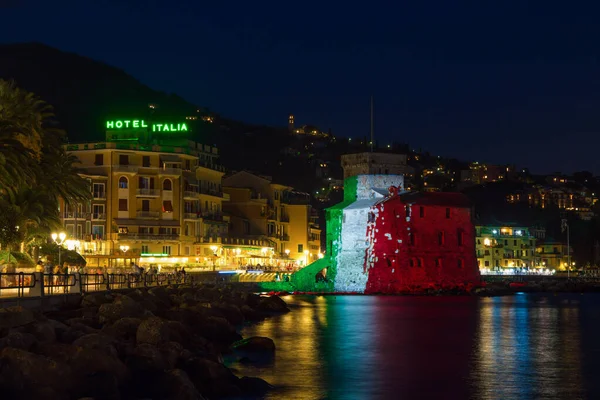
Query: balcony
point(192, 215)
point(148, 236)
point(285, 218)
point(130, 169)
point(190, 194)
point(74, 215)
point(210, 192)
point(148, 192)
point(216, 217)
point(147, 214)
point(169, 171)
point(207, 239)
point(99, 216)
point(99, 195)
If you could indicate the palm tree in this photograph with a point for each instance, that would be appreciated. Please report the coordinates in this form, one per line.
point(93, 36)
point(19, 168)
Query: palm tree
point(31, 212)
point(35, 170)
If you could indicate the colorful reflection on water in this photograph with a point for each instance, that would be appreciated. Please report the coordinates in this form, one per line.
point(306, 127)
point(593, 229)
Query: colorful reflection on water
point(367, 347)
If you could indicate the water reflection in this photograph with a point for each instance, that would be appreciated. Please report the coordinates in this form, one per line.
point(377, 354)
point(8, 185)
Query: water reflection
point(366, 347)
point(527, 347)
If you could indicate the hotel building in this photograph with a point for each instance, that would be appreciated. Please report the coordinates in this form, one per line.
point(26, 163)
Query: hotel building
point(156, 198)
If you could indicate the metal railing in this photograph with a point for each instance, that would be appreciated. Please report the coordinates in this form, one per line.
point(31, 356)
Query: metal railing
point(147, 214)
point(20, 285)
point(148, 192)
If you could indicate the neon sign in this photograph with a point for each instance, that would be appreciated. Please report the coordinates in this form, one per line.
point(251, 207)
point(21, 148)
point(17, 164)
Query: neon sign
point(140, 123)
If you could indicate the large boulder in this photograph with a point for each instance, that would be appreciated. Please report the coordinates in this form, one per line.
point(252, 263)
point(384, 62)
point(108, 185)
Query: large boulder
point(146, 357)
point(124, 328)
point(96, 299)
point(272, 304)
point(122, 307)
point(250, 314)
point(43, 331)
point(178, 386)
point(18, 340)
point(153, 331)
point(219, 330)
point(230, 312)
point(90, 362)
point(254, 386)
point(25, 373)
point(11, 317)
point(99, 342)
point(256, 348)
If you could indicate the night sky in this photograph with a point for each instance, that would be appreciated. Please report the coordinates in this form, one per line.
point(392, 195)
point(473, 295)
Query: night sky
point(513, 82)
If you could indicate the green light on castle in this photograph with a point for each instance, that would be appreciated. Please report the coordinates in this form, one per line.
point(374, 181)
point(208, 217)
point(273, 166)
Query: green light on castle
point(140, 123)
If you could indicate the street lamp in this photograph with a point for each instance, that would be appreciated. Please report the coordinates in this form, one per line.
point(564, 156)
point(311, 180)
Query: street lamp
point(59, 239)
point(287, 252)
point(565, 226)
point(306, 255)
point(124, 250)
point(214, 250)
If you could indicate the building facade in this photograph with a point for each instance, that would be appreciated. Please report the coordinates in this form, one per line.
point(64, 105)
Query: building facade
point(261, 209)
point(156, 197)
point(555, 255)
point(504, 247)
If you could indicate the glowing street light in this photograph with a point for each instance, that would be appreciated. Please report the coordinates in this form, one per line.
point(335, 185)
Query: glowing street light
point(59, 239)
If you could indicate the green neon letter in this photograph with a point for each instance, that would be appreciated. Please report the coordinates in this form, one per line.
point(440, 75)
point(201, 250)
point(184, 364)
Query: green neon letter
point(127, 123)
point(157, 127)
point(183, 127)
point(166, 128)
point(144, 124)
point(110, 124)
point(136, 123)
point(119, 124)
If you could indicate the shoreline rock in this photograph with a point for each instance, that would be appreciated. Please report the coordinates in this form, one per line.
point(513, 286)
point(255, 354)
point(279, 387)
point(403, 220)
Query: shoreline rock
point(163, 342)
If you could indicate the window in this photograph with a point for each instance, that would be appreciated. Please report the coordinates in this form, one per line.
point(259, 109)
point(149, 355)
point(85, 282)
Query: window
point(167, 185)
point(187, 250)
point(460, 235)
point(371, 217)
point(419, 262)
point(486, 263)
point(98, 211)
point(407, 211)
point(478, 241)
point(447, 213)
point(460, 263)
point(515, 242)
point(411, 262)
point(145, 249)
point(145, 161)
point(123, 230)
point(99, 159)
point(98, 191)
point(421, 211)
point(123, 182)
point(98, 231)
point(438, 262)
point(246, 227)
point(188, 165)
point(441, 238)
point(146, 182)
point(145, 205)
point(167, 206)
point(123, 205)
point(300, 248)
point(123, 159)
point(167, 250)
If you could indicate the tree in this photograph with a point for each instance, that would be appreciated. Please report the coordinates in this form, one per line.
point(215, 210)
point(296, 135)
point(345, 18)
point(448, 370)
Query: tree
point(35, 170)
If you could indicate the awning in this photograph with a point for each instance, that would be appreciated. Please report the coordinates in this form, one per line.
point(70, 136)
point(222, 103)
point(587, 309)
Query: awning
point(167, 206)
point(169, 158)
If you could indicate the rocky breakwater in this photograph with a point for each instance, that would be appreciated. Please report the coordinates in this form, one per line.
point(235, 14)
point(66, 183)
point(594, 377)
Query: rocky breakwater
point(160, 343)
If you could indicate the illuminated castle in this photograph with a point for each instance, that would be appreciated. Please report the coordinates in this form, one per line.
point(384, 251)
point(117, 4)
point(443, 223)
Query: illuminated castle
point(382, 239)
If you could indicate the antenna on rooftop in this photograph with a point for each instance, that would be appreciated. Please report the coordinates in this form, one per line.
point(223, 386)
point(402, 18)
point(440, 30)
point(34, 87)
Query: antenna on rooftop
point(372, 130)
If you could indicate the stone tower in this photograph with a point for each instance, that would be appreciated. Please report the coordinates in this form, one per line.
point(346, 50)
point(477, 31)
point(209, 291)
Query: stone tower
point(291, 122)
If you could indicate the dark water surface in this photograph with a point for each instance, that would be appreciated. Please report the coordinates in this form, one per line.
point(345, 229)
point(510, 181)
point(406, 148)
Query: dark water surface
point(367, 347)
